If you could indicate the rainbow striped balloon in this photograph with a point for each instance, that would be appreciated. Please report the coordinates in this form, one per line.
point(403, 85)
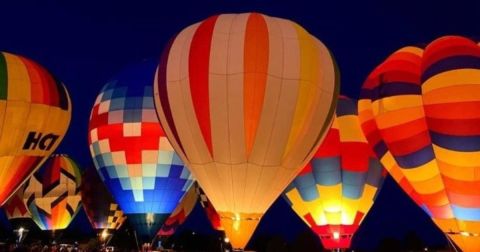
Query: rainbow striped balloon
point(35, 113)
point(245, 100)
point(420, 110)
point(337, 188)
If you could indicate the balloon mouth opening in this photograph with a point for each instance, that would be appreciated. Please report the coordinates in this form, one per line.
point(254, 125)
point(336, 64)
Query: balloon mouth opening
point(238, 217)
point(336, 240)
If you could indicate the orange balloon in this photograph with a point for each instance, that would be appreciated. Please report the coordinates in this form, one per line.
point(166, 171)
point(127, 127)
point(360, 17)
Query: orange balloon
point(420, 110)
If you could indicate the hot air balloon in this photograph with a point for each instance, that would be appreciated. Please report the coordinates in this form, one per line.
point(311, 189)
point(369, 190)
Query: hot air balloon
point(183, 210)
point(420, 110)
point(102, 211)
point(209, 209)
point(35, 114)
point(245, 100)
point(337, 188)
point(18, 214)
point(132, 154)
point(52, 194)
point(180, 213)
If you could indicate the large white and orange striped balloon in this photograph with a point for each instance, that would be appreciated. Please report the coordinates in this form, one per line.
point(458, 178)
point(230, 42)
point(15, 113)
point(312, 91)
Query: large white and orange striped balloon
point(245, 100)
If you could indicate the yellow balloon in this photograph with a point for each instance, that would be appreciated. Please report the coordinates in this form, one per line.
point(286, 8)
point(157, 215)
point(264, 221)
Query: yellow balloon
point(35, 112)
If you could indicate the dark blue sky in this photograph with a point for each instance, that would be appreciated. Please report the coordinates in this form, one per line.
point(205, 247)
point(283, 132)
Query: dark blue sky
point(85, 43)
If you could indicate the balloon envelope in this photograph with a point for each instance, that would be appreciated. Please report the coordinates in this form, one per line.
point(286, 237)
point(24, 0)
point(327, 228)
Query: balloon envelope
point(52, 194)
point(337, 188)
point(35, 113)
point(183, 210)
point(420, 110)
point(101, 209)
point(245, 100)
point(131, 152)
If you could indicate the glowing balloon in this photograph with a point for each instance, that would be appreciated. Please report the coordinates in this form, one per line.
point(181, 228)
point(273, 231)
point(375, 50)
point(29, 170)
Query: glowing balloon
point(35, 114)
point(245, 100)
point(335, 191)
point(420, 110)
point(183, 210)
point(52, 194)
point(101, 209)
point(132, 154)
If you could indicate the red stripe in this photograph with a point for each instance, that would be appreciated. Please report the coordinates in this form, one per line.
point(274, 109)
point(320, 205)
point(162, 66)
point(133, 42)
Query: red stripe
point(163, 95)
point(37, 88)
point(448, 46)
point(467, 127)
point(307, 169)
point(51, 95)
point(199, 61)
point(355, 156)
point(255, 78)
point(371, 132)
point(330, 146)
point(410, 145)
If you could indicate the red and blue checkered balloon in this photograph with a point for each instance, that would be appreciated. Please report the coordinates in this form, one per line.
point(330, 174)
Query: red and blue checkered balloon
point(131, 152)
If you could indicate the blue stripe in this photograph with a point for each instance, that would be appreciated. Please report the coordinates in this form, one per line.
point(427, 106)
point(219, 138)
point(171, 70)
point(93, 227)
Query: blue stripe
point(353, 184)
point(468, 214)
point(456, 143)
point(417, 158)
point(307, 187)
point(380, 149)
point(352, 191)
point(346, 106)
point(388, 89)
point(374, 176)
point(327, 171)
point(451, 63)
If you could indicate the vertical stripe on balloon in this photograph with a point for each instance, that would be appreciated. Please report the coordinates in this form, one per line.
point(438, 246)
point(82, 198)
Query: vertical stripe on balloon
point(18, 71)
point(163, 93)
point(36, 81)
point(255, 79)
point(308, 54)
point(198, 65)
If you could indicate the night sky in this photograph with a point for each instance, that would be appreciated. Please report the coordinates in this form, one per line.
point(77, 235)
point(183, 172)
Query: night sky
point(85, 43)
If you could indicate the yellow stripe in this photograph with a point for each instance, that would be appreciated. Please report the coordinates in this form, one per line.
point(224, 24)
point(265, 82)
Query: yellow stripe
point(463, 93)
point(350, 130)
point(18, 79)
point(460, 158)
point(394, 103)
point(457, 172)
point(309, 76)
point(422, 173)
point(451, 78)
point(429, 186)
